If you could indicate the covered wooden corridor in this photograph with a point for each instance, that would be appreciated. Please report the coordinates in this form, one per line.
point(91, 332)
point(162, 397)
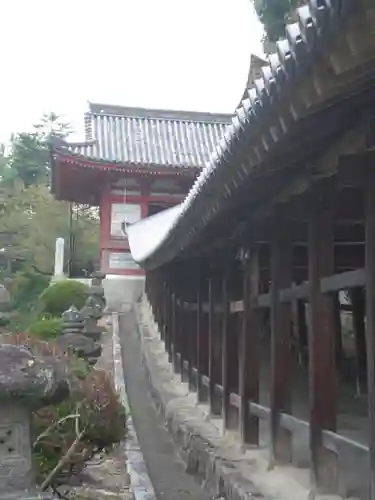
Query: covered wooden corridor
point(262, 283)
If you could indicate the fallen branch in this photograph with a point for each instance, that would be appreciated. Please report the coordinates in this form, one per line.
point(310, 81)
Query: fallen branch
point(65, 459)
point(54, 426)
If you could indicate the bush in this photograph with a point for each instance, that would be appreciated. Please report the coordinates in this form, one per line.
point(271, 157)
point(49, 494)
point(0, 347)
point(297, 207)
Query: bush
point(46, 329)
point(59, 297)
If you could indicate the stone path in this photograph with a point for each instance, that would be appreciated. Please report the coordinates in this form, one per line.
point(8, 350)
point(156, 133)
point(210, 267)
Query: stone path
point(165, 469)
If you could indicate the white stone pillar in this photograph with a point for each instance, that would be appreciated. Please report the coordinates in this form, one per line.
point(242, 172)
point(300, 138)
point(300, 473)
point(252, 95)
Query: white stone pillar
point(59, 257)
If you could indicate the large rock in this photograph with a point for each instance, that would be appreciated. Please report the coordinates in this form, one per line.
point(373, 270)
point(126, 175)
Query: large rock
point(36, 382)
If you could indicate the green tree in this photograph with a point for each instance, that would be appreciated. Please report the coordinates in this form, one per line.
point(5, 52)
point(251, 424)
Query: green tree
point(28, 161)
point(33, 219)
point(274, 15)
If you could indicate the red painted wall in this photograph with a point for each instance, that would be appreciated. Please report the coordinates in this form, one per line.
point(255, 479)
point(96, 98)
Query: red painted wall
point(139, 194)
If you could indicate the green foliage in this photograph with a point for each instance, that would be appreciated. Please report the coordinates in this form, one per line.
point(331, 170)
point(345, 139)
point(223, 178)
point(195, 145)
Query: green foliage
point(45, 328)
point(25, 287)
point(274, 14)
point(29, 158)
point(30, 218)
point(59, 297)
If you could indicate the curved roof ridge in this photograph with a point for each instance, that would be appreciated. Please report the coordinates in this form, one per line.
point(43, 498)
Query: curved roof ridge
point(159, 114)
point(146, 235)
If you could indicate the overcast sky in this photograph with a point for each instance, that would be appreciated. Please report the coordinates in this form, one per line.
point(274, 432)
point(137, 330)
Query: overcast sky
point(177, 54)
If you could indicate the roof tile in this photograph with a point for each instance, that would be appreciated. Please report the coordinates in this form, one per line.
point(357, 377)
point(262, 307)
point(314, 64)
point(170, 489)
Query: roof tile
point(151, 137)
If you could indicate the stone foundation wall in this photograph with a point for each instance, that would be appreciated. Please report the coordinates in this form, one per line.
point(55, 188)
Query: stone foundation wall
point(217, 460)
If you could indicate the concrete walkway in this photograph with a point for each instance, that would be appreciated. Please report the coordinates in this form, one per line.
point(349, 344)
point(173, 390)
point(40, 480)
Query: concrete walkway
point(165, 469)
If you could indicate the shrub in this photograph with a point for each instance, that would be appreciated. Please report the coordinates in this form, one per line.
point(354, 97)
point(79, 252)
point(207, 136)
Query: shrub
point(59, 297)
point(46, 329)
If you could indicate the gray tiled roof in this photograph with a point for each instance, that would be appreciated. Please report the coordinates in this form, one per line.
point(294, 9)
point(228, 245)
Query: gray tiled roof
point(151, 137)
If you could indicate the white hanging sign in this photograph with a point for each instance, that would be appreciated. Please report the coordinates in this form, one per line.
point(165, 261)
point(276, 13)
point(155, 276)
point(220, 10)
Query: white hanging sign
point(122, 260)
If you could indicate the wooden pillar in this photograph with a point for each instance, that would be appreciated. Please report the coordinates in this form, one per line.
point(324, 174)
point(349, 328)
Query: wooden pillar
point(249, 364)
point(281, 277)
point(225, 336)
point(229, 349)
point(357, 297)
point(321, 331)
point(300, 341)
point(178, 354)
point(370, 317)
point(173, 356)
point(213, 338)
point(202, 345)
point(184, 337)
point(168, 318)
point(163, 311)
point(339, 352)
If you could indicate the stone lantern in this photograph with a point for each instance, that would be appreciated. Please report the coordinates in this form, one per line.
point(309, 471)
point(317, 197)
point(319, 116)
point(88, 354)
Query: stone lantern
point(96, 289)
point(72, 321)
point(73, 338)
point(90, 313)
point(26, 384)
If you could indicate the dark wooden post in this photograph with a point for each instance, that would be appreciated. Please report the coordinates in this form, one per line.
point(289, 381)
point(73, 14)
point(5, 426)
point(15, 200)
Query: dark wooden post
point(168, 317)
point(178, 351)
point(249, 349)
point(357, 297)
point(225, 351)
point(281, 277)
point(184, 336)
point(213, 338)
point(163, 310)
point(370, 316)
point(173, 358)
point(321, 331)
point(229, 349)
point(338, 333)
point(202, 351)
point(155, 296)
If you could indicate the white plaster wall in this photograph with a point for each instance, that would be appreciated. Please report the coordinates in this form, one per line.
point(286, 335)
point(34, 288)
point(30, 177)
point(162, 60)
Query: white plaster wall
point(120, 290)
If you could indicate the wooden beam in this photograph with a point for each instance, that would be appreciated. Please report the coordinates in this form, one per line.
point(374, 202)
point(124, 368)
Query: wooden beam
point(249, 366)
point(343, 281)
point(370, 317)
point(281, 277)
point(294, 292)
point(321, 330)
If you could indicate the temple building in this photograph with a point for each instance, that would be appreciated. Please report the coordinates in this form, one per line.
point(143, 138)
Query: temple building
point(134, 162)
